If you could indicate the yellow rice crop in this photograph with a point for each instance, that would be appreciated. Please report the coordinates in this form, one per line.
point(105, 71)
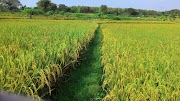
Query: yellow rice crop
point(34, 53)
point(141, 61)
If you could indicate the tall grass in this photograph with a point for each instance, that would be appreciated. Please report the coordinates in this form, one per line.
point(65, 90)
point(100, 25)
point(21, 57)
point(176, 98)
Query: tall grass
point(141, 61)
point(33, 54)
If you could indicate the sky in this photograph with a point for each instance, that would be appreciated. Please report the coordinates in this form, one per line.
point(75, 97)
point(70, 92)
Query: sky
point(159, 5)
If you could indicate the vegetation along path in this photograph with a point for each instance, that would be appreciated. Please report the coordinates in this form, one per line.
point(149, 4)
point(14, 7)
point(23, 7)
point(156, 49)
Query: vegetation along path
point(84, 82)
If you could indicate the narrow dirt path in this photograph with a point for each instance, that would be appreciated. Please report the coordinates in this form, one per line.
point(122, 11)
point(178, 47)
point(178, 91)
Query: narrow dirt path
point(84, 82)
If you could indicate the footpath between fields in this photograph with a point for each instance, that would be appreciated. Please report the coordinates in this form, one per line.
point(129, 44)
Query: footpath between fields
point(84, 83)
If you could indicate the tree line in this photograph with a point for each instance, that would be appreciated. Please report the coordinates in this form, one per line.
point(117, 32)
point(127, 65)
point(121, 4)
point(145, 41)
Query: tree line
point(49, 8)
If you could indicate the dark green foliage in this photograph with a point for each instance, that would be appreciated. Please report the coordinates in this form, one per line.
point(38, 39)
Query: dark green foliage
point(103, 9)
point(116, 18)
point(86, 9)
point(44, 5)
point(102, 12)
point(53, 7)
point(175, 13)
point(75, 9)
point(49, 13)
point(61, 12)
point(33, 11)
point(62, 7)
point(11, 5)
point(131, 12)
point(2, 8)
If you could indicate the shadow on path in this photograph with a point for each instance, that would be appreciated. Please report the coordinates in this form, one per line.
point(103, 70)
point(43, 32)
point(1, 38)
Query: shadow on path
point(84, 82)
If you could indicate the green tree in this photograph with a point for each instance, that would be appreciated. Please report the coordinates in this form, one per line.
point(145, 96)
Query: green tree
point(74, 9)
point(2, 8)
point(62, 7)
point(86, 9)
point(175, 13)
point(103, 9)
point(11, 5)
point(44, 5)
point(53, 7)
point(130, 11)
point(31, 12)
point(172, 16)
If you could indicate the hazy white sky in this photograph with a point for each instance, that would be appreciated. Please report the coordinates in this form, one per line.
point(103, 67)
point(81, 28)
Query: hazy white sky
point(160, 5)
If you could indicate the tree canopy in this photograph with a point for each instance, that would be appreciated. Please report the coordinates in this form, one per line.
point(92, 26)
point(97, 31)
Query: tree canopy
point(103, 8)
point(10, 4)
point(45, 5)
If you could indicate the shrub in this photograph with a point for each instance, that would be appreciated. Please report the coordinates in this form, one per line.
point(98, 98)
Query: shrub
point(33, 11)
point(116, 18)
point(49, 13)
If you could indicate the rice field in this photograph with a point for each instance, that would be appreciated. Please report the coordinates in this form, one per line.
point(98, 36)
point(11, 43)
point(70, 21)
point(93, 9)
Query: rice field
point(141, 61)
point(34, 53)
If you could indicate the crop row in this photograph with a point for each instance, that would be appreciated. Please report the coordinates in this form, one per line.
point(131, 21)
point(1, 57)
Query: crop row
point(33, 54)
point(141, 62)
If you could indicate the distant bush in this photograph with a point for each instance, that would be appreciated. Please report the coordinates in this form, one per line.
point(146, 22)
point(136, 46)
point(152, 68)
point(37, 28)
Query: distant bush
point(125, 18)
point(61, 12)
point(99, 14)
point(78, 15)
point(33, 11)
point(49, 13)
point(116, 18)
